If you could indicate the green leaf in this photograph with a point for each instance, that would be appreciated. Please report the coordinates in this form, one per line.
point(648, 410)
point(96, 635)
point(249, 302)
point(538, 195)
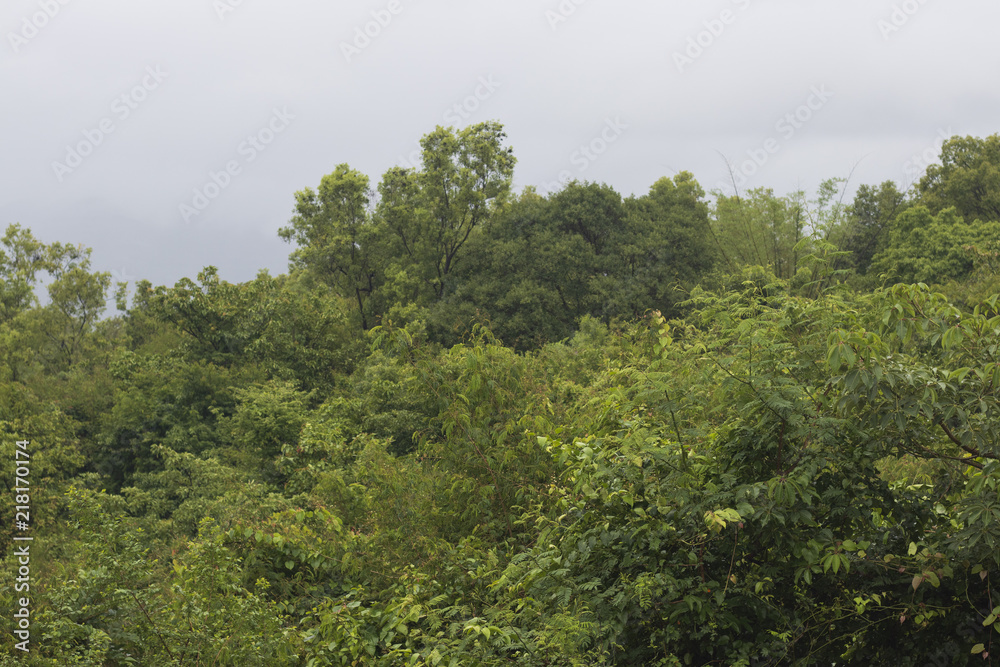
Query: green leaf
point(833, 358)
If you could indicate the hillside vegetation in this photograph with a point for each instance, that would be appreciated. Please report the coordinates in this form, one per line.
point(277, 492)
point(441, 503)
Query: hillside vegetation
point(474, 427)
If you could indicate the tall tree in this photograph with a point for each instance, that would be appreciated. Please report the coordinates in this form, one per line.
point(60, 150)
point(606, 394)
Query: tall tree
point(760, 229)
point(339, 243)
point(669, 243)
point(22, 256)
point(871, 216)
point(464, 179)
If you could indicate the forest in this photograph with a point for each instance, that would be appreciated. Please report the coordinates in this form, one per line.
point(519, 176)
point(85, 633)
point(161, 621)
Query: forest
point(471, 426)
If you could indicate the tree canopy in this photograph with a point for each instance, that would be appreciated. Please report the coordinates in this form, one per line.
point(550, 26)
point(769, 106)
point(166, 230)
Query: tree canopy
point(477, 427)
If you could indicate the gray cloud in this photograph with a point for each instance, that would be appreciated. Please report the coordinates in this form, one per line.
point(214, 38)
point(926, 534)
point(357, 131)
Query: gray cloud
point(560, 80)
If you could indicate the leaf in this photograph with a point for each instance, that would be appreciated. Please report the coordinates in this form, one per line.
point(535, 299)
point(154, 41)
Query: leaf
point(917, 580)
point(978, 648)
point(913, 549)
point(851, 380)
point(834, 358)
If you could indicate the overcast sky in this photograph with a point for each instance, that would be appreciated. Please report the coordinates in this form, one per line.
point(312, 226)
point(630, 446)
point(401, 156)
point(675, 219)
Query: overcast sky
point(172, 135)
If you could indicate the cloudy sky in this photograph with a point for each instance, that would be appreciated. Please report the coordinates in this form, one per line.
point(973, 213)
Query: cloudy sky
point(172, 135)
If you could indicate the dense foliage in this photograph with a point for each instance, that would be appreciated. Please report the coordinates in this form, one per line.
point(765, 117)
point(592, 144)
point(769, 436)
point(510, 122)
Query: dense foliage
point(474, 427)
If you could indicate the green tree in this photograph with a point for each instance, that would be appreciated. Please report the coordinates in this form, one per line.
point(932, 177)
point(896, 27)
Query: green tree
point(219, 319)
point(668, 248)
point(931, 249)
point(62, 329)
point(541, 265)
point(871, 217)
point(339, 243)
point(22, 256)
point(162, 401)
point(267, 418)
point(967, 179)
point(432, 213)
point(760, 229)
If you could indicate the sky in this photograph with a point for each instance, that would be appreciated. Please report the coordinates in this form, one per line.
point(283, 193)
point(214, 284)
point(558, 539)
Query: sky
point(169, 136)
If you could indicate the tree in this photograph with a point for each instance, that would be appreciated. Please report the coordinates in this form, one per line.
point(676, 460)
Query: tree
point(162, 401)
point(544, 263)
point(668, 247)
point(760, 229)
point(339, 244)
point(464, 180)
point(541, 265)
point(930, 249)
point(21, 258)
point(282, 325)
point(219, 319)
point(871, 216)
point(968, 178)
point(77, 297)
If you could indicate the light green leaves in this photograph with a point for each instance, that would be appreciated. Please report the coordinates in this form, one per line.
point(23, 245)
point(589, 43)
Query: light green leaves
point(718, 520)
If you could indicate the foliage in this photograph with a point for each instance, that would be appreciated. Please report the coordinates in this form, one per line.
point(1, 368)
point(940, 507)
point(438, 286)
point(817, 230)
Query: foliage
point(339, 244)
point(118, 606)
point(928, 248)
point(967, 179)
point(472, 428)
point(871, 218)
